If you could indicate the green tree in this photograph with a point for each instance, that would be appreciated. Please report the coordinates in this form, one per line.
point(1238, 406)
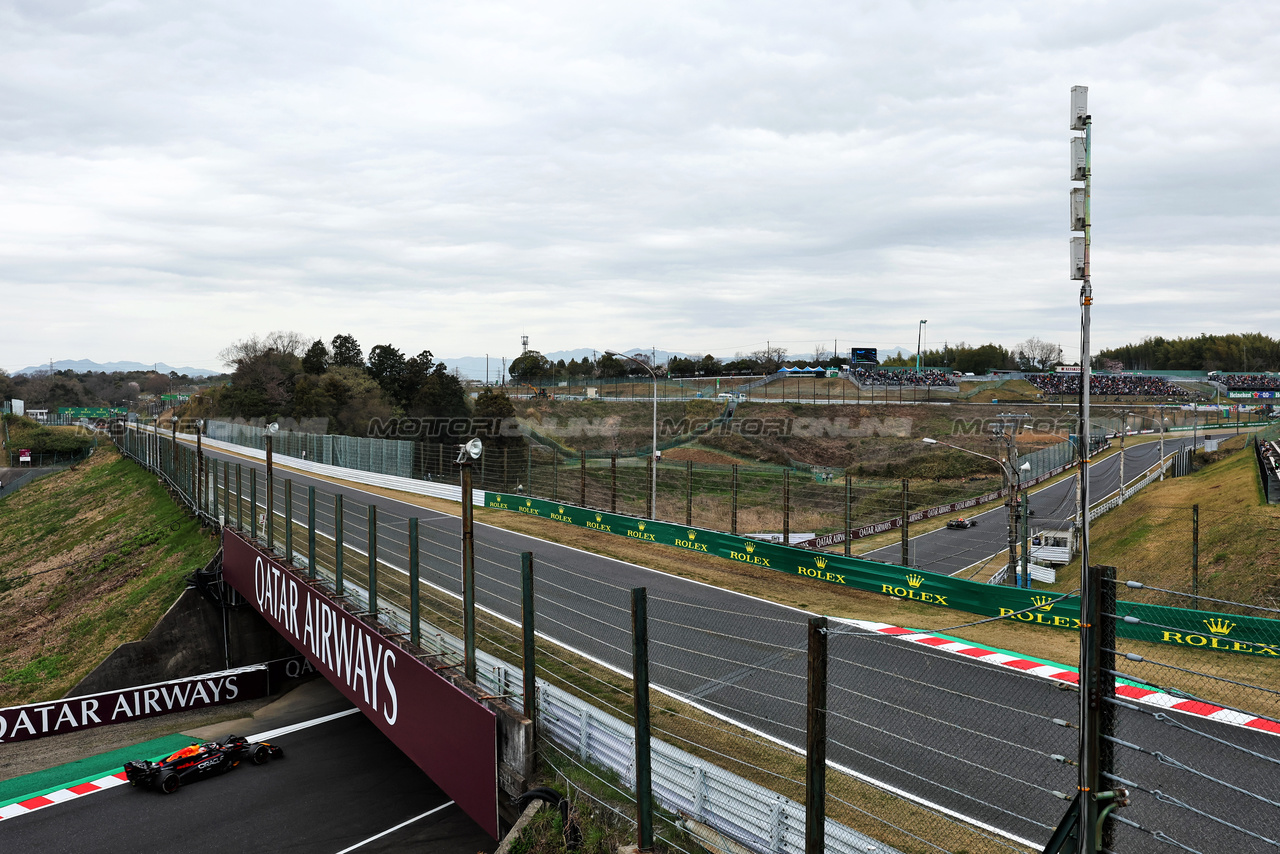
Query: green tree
point(346, 352)
point(387, 366)
point(530, 367)
point(357, 399)
point(494, 411)
point(316, 360)
point(310, 399)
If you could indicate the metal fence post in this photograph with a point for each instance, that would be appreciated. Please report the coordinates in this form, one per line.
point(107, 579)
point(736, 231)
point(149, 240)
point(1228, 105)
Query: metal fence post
point(239, 500)
point(786, 507)
point(1107, 686)
point(288, 521)
point(688, 492)
point(468, 575)
point(848, 514)
point(582, 487)
point(649, 509)
point(415, 579)
point(530, 650)
point(815, 807)
point(640, 698)
point(1195, 556)
point(337, 544)
point(555, 475)
point(253, 504)
point(613, 483)
point(906, 554)
point(733, 502)
point(372, 528)
point(311, 531)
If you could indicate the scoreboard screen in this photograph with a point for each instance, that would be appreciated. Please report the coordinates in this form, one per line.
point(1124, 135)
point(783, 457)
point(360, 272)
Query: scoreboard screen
point(865, 354)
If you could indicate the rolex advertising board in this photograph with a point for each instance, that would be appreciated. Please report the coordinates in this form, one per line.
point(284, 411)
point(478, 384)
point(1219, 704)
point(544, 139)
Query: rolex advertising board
point(1139, 621)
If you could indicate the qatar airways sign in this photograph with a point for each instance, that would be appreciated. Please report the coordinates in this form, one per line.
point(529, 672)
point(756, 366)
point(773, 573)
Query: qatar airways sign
point(448, 734)
point(71, 714)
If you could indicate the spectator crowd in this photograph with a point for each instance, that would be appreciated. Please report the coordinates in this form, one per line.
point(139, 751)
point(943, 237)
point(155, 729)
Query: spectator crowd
point(1250, 382)
point(906, 377)
point(1102, 384)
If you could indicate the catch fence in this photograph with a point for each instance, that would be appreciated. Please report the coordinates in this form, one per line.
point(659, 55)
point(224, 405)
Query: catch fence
point(932, 744)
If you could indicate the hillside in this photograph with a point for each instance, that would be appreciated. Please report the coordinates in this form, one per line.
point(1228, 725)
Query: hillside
point(1149, 538)
point(90, 558)
point(873, 440)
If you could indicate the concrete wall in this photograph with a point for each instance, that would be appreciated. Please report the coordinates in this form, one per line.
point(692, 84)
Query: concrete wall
point(188, 640)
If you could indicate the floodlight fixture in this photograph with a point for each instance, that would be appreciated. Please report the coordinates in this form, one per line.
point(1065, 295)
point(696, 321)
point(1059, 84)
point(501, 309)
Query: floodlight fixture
point(474, 447)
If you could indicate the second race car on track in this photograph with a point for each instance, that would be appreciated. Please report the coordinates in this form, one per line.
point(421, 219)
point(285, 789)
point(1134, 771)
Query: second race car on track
point(962, 523)
point(197, 761)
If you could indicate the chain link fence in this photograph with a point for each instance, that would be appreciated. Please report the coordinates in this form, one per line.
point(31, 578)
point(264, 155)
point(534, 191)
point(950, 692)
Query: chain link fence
point(932, 744)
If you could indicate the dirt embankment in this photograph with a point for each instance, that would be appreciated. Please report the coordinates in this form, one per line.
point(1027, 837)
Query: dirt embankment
point(89, 558)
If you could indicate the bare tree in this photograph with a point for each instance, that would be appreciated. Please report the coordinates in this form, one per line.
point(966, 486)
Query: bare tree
point(284, 343)
point(1034, 354)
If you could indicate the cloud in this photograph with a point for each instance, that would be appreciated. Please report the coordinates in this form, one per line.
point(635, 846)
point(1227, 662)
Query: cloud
point(176, 177)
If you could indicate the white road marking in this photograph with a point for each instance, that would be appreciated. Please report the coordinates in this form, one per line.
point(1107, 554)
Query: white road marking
point(394, 829)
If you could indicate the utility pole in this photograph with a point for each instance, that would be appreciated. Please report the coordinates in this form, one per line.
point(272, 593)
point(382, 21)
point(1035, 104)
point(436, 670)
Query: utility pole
point(1124, 431)
point(1008, 431)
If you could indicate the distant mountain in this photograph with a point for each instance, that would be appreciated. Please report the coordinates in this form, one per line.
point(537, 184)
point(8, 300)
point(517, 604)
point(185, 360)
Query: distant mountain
point(85, 366)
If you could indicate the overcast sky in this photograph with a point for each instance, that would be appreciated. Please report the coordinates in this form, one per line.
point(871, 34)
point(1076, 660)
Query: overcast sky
point(694, 176)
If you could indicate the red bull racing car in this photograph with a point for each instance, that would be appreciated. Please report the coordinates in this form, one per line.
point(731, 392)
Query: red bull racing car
point(198, 761)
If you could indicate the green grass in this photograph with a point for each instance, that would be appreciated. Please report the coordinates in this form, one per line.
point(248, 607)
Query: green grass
point(90, 558)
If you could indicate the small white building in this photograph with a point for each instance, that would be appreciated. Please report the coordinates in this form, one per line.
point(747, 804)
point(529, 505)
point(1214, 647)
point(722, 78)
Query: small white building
point(1052, 547)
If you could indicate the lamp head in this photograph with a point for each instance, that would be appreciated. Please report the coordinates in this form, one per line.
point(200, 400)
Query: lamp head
point(474, 448)
point(272, 428)
point(173, 418)
point(200, 423)
point(928, 441)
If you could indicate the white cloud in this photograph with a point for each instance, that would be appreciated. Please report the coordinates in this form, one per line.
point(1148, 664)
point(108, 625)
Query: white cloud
point(174, 177)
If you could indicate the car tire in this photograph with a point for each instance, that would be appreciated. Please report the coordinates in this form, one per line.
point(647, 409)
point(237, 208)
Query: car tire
point(260, 755)
point(169, 783)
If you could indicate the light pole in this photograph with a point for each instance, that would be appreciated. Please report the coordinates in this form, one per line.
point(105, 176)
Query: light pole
point(1159, 423)
point(919, 343)
point(466, 455)
point(653, 506)
point(1124, 431)
point(1024, 519)
point(1010, 483)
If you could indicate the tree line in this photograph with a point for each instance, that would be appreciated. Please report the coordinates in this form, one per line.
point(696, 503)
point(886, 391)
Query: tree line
point(286, 375)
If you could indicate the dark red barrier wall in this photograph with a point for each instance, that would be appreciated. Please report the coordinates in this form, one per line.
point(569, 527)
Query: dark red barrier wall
point(37, 720)
point(449, 735)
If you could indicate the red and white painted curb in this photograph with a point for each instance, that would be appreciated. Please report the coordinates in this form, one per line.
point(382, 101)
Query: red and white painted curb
point(1058, 673)
point(119, 779)
point(62, 795)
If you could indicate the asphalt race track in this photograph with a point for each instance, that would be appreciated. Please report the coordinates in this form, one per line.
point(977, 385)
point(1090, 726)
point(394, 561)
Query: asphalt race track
point(949, 552)
point(341, 783)
point(966, 737)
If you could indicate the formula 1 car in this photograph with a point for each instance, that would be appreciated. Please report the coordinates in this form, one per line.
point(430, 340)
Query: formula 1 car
point(959, 524)
point(197, 761)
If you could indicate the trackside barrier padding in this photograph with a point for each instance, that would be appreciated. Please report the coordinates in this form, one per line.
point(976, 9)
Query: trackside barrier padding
point(1158, 623)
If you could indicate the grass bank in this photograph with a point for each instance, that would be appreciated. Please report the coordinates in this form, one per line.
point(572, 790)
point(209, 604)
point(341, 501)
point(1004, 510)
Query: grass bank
point(90, 558)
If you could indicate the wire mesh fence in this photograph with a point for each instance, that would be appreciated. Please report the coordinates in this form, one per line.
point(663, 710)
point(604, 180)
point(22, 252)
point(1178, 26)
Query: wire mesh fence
point(928, 749)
